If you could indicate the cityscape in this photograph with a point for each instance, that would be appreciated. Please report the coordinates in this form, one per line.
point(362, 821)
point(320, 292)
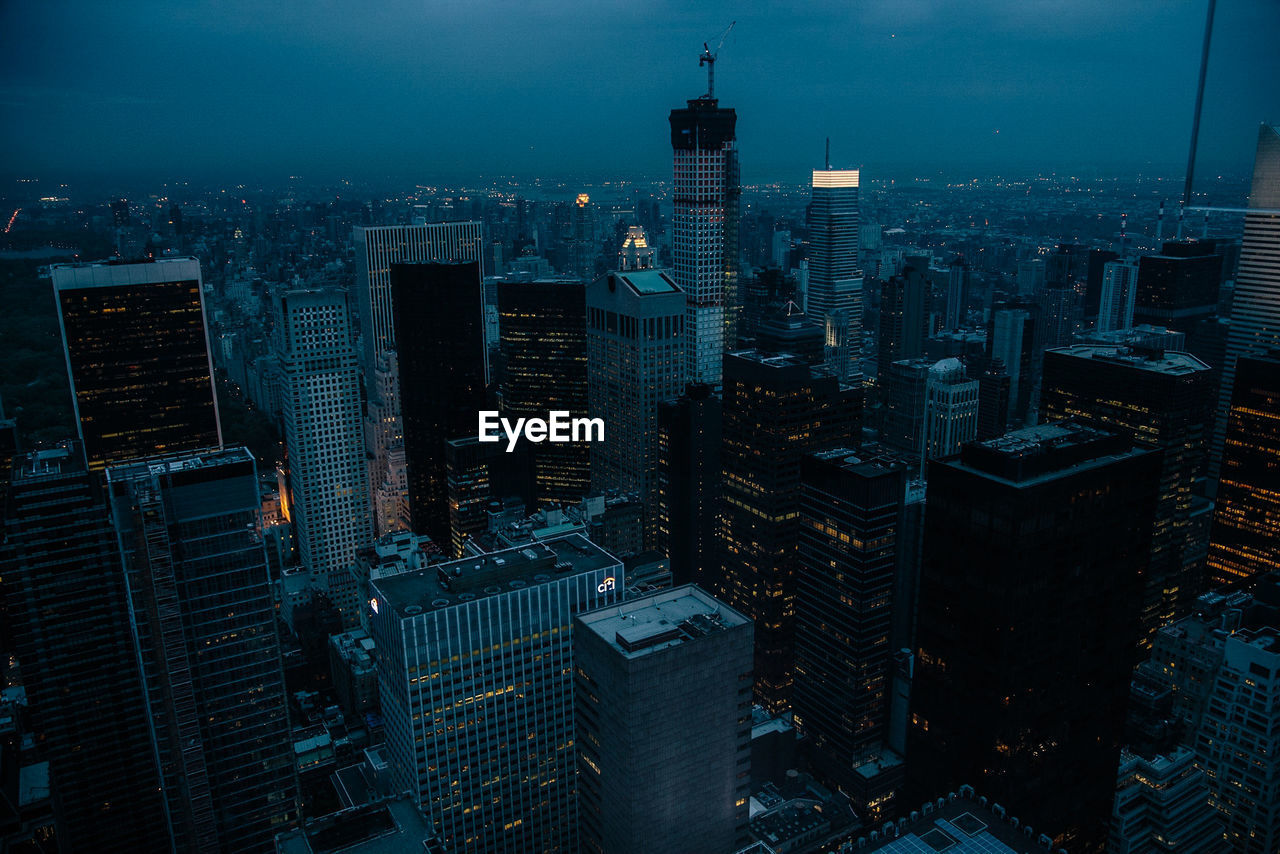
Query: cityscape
point(446, 484)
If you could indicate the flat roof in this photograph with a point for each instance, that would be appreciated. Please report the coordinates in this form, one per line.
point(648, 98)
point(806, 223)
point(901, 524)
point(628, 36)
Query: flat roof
point(444, 584)
point(661, 620)
point(961, 826)
point(1156, 361)
point(648, 281)
point(106, 274)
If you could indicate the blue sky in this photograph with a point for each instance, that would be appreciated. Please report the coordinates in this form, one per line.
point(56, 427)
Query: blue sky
point(433, 89)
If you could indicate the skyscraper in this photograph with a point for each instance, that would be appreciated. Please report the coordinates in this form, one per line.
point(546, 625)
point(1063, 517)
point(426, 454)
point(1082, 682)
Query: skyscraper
point(1163, 803)
point(904, 318)
point(205, 624)
point(635, 360)
point(1033, 548)
point(137, 352)
point(475, 672)
point(950, 409)
point(1178, 286)
point(442, 377)
point(1160, 400)
point(544, 355)
point(1245, 542)
point(835, 280)
point(67, 599)
point(776, 410)
point(377, 248)
point(850, 526)
point(635, 665)
point(958, 277)
point(705, 156)
point(1011, 339)
point(1235, 740)
point(324, 437)
point(688, 483)
point(1115, 303)
point(904, 386)
point(1255, 303)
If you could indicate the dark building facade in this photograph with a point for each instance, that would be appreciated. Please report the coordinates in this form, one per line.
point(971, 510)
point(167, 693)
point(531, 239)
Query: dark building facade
point(634, 664)
point(543, 342)
point(1179, 286)
point(851, 511)
point(440, 333)
point(1245, 542)
point(137, 355)
point(66, 597)
point(205, 621)
point(1160, 400)
point(688, 483)
point(1034, 548)
point(904, 316)
point(776, 410)
point(903, 389)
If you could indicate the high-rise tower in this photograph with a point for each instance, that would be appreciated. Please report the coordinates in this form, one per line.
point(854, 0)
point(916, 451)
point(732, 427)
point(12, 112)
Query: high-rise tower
point(205, 624)
point(138, 358)
point(324, 437)
point(835, 280)
point(705, 155)
point(1255, 304)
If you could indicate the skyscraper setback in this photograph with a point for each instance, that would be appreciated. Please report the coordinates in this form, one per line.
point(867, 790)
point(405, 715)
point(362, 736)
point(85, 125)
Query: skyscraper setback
point(705, 155)
point(137, 353)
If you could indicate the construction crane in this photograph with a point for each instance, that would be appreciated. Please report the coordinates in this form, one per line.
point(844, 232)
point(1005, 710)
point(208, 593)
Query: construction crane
point(708, 59)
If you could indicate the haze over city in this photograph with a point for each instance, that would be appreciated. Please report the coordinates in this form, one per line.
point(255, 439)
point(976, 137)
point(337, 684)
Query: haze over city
point(456, 90)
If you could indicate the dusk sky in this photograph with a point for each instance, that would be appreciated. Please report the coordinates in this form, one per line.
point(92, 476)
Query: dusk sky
point(436, 89)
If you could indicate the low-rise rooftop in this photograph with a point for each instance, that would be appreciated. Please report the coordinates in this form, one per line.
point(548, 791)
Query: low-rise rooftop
point(661, 620)
point(445, 584)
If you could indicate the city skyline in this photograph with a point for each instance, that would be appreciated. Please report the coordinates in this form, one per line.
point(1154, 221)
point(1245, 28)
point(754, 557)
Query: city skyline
point(1042, 85)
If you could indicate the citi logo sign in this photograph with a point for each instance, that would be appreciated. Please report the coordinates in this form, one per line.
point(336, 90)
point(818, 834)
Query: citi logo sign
point(606, 585)
point(559, 427)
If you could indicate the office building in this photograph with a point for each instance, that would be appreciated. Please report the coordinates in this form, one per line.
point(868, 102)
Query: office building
point(993, 400)
point(1094, 274)
point(950, 409)
point(442, 377)
point(137, 351)
point(1163, 401)
point(69, 608)
point(904, 386)
point(704, 188)
point(543, 341)
point(635, 360)
point(1255, 301)
point(1245, 542)
point(475, 670)
point(1034, 547)
point(324, 439)
point(851, 510)
point(634, 664)
point(688, 483)
point(1235, 742)
point(776, 410)
point(958, 277)
point(904, 317)
point(636, 252)
point(373, 311)
point(377, 248)
point(1162, 804)
point(1031, 275)
point(1116, 299)
point(835, 279)
point(1178, 285)
point(205, 624)
point(1011, 339)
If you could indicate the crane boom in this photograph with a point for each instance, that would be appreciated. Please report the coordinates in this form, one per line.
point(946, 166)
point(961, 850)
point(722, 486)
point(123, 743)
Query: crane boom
point(708, 58)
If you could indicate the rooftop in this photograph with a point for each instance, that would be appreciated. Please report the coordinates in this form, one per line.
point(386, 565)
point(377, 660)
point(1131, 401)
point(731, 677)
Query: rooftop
point(444, 584)
point(113, 273)
point(1037, 454)
point(1141, 358)
point(661, 620)
point(648, 281)
point(958, 824)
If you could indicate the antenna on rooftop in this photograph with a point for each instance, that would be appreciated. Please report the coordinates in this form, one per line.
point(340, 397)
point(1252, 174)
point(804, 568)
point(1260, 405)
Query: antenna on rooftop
point(828, 160)
point(1195, 121)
